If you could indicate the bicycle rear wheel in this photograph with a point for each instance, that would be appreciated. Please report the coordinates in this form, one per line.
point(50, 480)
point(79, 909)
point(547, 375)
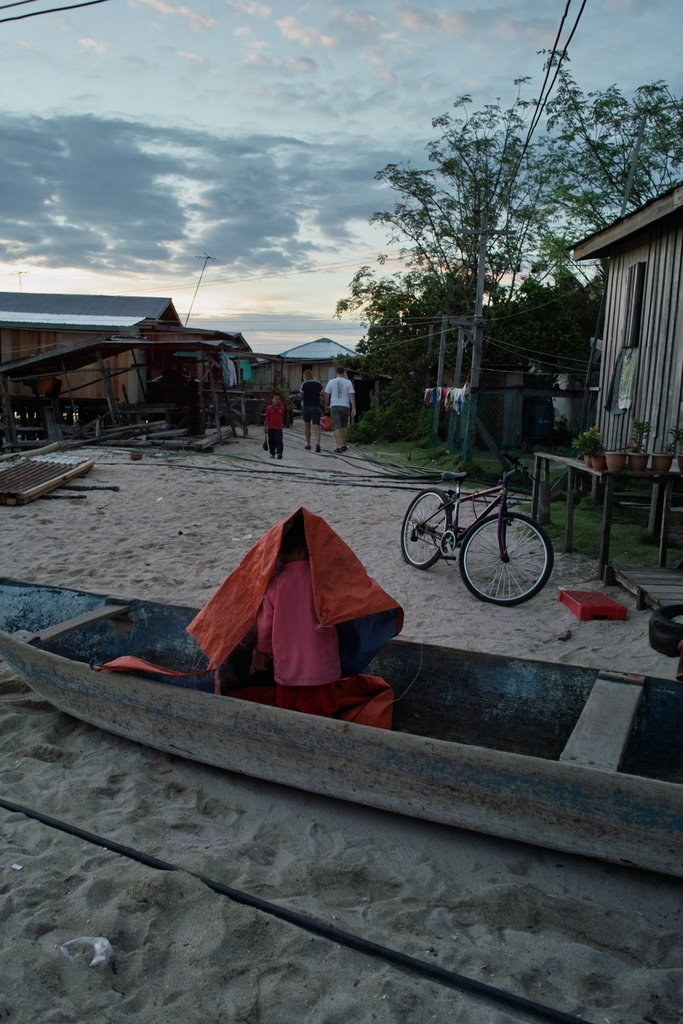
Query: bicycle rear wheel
point(424, 524)
point(528, 566)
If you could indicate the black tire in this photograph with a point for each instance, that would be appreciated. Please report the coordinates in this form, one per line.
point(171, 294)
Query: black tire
point(665, 634)
point(522, 576)
point(424, 524)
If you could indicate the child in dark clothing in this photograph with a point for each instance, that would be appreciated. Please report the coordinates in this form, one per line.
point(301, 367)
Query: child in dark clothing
point(274, 424)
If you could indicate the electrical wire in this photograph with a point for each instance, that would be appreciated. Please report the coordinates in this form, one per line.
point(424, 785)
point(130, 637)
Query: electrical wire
point(52, 10)
point(17, 3)
point(545, 96)
point(309, 924)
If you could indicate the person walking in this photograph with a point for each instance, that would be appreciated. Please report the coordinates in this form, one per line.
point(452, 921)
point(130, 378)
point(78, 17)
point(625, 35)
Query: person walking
point(340, 399)
point(310, 392)
point(274, 423)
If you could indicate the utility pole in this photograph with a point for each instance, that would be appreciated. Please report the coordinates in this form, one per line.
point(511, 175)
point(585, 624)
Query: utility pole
point(19, 274)
point(478, 335)
point(206, 259)
point(439, 372)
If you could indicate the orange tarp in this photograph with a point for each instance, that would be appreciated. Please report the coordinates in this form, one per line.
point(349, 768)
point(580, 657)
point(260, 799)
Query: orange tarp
point(342, 590)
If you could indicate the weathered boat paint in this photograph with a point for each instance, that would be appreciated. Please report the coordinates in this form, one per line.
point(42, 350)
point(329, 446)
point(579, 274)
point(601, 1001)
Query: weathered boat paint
point(491, 764)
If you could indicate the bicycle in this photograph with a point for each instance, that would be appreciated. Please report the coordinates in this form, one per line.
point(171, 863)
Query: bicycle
point(504, 558)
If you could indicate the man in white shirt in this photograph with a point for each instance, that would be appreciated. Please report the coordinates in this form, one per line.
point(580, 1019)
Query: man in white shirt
point(340, 399)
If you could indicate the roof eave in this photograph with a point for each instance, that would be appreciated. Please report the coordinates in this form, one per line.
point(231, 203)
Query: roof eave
point(603, 242)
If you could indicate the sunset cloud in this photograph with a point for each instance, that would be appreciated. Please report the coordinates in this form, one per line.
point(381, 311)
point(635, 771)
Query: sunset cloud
point(291, 29)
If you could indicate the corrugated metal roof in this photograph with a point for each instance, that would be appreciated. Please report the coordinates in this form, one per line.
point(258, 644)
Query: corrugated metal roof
point(107, 323)
point(323, 348)
point(66, 306)
point(65, 358)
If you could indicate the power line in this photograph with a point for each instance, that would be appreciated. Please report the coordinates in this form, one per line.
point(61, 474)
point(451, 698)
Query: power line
point(17, 3)
point(544, 96)
point(51, 10)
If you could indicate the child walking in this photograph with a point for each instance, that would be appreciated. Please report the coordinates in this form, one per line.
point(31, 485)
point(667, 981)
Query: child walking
point(274, 424)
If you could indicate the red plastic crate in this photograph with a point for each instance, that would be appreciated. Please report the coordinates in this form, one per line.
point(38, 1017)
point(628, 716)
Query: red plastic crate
point(591, 604)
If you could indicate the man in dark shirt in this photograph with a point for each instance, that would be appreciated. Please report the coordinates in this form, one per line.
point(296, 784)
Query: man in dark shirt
point(310, 392)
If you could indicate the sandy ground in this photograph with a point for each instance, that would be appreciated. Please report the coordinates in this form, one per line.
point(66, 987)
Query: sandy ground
point(591, 940)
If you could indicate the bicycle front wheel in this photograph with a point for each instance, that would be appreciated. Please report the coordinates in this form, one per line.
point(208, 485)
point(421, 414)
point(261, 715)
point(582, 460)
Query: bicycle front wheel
point(424, 524)
point(517, 577)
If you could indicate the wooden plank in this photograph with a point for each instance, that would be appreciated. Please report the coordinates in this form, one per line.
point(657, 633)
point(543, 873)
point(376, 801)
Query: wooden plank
point(653, 587)
point(109, 611)
point(23, 497)
point(604, 726)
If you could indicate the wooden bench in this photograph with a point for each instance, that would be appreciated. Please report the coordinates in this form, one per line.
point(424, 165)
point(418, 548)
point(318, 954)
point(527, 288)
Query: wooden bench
point(604, 726)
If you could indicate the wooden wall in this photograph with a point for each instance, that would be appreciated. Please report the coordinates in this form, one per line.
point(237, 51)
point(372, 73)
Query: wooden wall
point(658, 395)
point(85, 384)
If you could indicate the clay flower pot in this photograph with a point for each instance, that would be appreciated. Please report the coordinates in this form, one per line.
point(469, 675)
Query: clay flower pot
point(588, 461)
point(637, 461)
point(661, 462)
point(599, 462)
point(616, 461)
point(679, 459)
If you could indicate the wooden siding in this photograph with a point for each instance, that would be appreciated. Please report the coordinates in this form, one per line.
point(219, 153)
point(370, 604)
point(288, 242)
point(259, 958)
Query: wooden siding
point(658, 395)
point(292, 373)
point(83, 384)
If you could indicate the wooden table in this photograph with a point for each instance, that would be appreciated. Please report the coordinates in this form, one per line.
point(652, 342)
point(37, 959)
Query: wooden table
point(660, 502)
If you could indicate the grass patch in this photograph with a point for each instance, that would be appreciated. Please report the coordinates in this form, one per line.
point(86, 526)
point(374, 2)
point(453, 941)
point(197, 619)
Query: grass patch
point(629, 540)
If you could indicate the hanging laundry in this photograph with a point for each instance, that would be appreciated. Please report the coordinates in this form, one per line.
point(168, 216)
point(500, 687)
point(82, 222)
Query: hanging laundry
point(432, 397)
point(614, 385)
point(456, 398)
point(627, 384)
point(228, 370)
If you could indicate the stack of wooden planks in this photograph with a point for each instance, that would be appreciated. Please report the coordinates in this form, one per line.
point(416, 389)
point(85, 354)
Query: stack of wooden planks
point(31, 478)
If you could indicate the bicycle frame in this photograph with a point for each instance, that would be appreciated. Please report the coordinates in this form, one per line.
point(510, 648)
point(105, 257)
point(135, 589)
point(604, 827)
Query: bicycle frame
point(503, 556)
point(499, 500)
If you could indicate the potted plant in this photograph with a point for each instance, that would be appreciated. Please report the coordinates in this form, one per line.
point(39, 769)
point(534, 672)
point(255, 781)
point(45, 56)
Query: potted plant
point(676, 435)
point(588, 445)
point(637, 455)
point(661, 461)
point(616, 461)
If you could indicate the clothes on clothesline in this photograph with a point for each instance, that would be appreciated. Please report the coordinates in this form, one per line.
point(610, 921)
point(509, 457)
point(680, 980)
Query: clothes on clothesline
point(455, 399)
point(622, 384)
point(228, 370)
point(451, 398)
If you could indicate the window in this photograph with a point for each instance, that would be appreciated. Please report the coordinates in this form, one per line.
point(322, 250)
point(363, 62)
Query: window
point(634, 304)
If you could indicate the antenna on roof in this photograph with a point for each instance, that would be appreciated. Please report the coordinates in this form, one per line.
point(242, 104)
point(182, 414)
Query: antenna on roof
point(19, 274)
point(206, 259)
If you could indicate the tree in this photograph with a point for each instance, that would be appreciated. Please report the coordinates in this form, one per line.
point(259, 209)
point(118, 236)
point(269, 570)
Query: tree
point(400, 312)
point(611, 154)
point(545, 325)
point(601, 155)
point(481, 166)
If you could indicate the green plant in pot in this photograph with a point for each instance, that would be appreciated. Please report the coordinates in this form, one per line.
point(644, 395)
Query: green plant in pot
point(676, 435)
point(588, 444)
point(637, 454)
point(661, 461)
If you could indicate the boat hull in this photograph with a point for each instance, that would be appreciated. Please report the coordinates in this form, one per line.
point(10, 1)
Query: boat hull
point(617, 817)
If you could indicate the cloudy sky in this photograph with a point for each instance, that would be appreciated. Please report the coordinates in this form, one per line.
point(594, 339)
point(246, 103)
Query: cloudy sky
point(139, 136)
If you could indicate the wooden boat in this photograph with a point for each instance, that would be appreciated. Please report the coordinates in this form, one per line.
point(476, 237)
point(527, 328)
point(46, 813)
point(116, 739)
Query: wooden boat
point(558, 756)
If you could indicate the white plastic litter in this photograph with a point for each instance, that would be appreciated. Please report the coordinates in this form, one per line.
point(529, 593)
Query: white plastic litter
point(101, 947)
